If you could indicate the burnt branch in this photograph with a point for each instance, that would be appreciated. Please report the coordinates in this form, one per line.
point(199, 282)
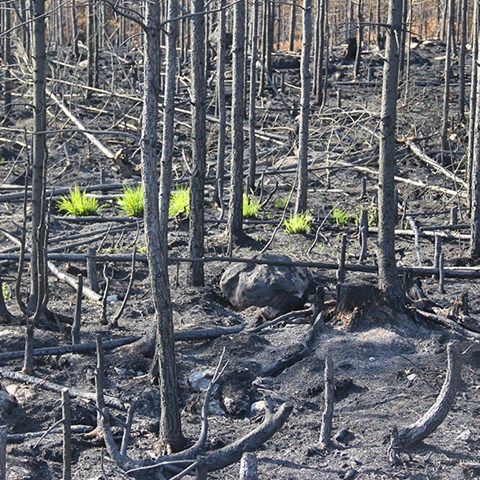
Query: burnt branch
point(410, 436)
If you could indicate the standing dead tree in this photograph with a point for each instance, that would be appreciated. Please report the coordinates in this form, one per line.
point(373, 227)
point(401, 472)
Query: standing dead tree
point(199, 153)
point(251, 101)
point(221, 108)
point(156, 235)
point(475, 155)
point(235, 215)
point(301, 199)
point(387, 268)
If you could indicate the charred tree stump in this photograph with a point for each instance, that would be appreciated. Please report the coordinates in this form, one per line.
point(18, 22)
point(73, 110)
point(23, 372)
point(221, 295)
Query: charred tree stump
point(327, 415)
point(356, 295)
point(410, 436)
point(67, 435)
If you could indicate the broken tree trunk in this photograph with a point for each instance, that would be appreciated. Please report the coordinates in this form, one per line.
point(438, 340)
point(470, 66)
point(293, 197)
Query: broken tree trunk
point(410, 436)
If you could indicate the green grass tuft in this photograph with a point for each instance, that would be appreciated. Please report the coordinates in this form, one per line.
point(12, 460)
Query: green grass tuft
point(179, 202)
point(342, 217)
point(132, 201)
point(298, 223)
point(78, 204)
point(250, 207)
point(281, 202)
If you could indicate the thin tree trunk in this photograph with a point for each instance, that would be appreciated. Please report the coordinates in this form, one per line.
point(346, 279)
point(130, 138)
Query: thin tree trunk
point(473, 104)
point(171, 32)
point(293, 25)
point(447, 71)
point(403, 37)
point(387, 268)
point(235, 214)
point(92, 46)
point(320, 46)
point(156, 235)
point(475, 154)
point(7, 55)
point(252, 147)
point(461, 61)
point(38, 270)
point(306, 79)
point(221, 47)
point(199, 154)
point(358, 56)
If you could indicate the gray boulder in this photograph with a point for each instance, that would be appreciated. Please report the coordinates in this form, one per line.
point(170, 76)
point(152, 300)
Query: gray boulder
point(280, 289)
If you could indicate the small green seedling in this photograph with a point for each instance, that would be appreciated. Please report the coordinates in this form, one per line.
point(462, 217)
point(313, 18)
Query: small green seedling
point(5, 290)
point(281, 202)
point(250, 206)
point(298, 223)
point(341, 217)
point(132, 201)
point(142, 249)
point(179, 202)
point(78, 204)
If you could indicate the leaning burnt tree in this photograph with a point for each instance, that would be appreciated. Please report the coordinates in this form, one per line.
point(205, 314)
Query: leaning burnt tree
point(387, 268)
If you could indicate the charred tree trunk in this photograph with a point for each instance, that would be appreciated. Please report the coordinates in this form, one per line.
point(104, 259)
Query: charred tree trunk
point(75, 29)
point(38, 264)
point(92, 46)
point(461, 61)
point(8, 58)
point(293, 25)
point(171, 32)
point(358, 56)
point(156, 236)
point(267, 44)
point(473, 105)
point(252, 148)
point(306, 79)
point(320, 46)
point(475, 156)
point(403, 37)
point(447, 73)
point(235, 214)
point(199, 154)
point(221, 105)
point(387, 268)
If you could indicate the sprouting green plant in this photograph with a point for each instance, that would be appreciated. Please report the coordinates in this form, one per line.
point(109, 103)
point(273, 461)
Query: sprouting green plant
point(111, 250)
point(341, 216)
point(250, 206)
point(142, 249)
point(77, 203)
point(281, 202)
point(179, 202)
point(372, 216)
point(132, 201)
point(298, 222)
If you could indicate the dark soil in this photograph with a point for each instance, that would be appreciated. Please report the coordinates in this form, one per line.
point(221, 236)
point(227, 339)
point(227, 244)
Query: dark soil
point(389, 364)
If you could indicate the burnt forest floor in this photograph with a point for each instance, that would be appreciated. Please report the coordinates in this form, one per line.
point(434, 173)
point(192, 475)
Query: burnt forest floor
point(388, 367)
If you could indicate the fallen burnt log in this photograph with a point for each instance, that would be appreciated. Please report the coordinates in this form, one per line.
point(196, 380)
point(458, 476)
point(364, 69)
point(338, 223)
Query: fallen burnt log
point(410, 436)
point(457, 272)
point(146, 345)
